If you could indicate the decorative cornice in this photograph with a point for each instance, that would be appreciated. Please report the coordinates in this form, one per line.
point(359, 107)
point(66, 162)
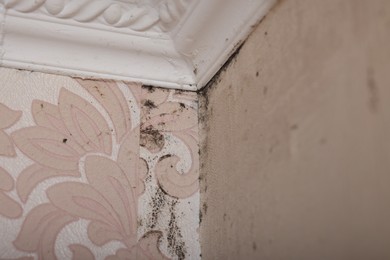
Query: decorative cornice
point(157, 15)
point(170, 43)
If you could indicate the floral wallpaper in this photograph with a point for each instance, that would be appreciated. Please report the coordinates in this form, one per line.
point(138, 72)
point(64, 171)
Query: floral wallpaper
point(96, 169)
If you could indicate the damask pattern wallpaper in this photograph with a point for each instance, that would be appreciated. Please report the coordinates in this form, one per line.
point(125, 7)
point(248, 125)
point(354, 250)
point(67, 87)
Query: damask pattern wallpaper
point(96, 169)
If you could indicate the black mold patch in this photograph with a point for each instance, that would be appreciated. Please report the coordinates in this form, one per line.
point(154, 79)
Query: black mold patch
point(149, 104)
point(157, 204)
point(151, 138)
point(205, 208)
point(149, 88)
point(165, 157)
point(176, 244)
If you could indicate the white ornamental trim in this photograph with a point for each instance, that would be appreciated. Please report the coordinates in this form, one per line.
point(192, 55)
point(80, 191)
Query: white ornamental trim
point(170, 43)
point(160, 15)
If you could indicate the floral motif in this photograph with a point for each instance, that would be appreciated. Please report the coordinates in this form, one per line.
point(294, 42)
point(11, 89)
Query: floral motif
point(96, 141)
point(8, 117)
point(81, 252)
point(144, 250)
point(113, 101)
point(9, 207)
point(107, 200)
point(40, 229)
point(63, 134)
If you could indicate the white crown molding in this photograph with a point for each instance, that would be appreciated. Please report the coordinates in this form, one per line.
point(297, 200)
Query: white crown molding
point(168, 43)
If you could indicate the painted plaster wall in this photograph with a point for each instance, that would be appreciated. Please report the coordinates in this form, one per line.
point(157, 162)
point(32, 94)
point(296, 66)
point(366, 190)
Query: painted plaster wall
point(96, 169)
point(295, 162)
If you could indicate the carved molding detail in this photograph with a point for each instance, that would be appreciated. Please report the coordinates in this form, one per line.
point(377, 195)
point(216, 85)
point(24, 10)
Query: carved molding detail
point(137, 15)
point(168, 43)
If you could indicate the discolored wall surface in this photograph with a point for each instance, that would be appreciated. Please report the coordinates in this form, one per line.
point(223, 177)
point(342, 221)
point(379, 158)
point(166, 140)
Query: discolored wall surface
point(295, 162)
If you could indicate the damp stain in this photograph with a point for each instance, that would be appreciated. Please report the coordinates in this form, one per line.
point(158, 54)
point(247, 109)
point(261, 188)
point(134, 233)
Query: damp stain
point(254, 246)
point(373, 92)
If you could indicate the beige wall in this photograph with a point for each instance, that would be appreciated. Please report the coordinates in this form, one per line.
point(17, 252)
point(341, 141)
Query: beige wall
point(296, 156)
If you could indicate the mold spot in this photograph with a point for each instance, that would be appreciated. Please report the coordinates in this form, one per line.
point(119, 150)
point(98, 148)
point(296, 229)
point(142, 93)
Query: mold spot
point(257, 73)
point(149, 88)
point(176, 244)
point(179, 91)
point(293, 127)
point(149, 104)
point(322, 141)
point(195, 71)
point(64, 140)
point(165, 157)
point(254, 246)
point(151, 139)
point(205, 208)
point(98, 91)
point(139, 222)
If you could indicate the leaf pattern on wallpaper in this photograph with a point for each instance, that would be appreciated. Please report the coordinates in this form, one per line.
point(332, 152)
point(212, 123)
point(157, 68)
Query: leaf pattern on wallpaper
point(8, 117)
point(40, 229)
point(64, 133)
point(85, 124)
point(30, 177)
point(107, 93)
point(129, 159)
point(81, 252)
point(145, 249)
point(9, 208)
point(162, 116)
point(108, 201)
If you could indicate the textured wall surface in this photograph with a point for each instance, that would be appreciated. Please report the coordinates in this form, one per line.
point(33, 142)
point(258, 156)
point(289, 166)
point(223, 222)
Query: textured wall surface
point(296, 156)
point(96, 169)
